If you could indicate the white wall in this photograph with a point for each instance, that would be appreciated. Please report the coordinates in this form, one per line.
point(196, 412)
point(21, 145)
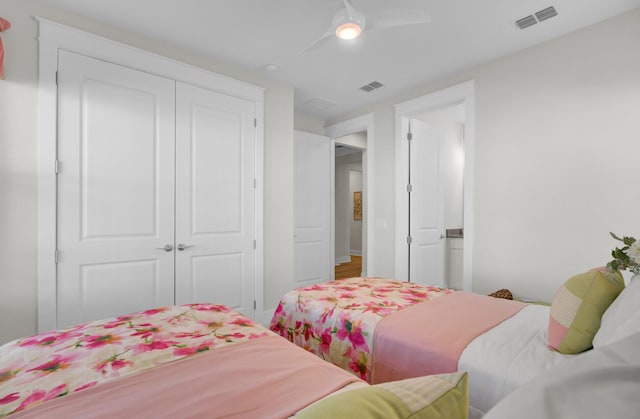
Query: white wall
point(18, 176)
point(557, 158)
point(18, 171)
point(344, 204)
point(308, 124)
point(383, 255)
point(557, 151)
point(453, 154)
point(355, 226)
point(357, 140)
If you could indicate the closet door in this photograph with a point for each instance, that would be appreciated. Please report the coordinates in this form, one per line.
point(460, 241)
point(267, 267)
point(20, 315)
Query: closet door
point(215, 202)
point(115, 190)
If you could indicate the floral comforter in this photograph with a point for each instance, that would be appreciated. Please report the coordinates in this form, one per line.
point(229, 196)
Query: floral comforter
point(53, 364)
point(336, 320)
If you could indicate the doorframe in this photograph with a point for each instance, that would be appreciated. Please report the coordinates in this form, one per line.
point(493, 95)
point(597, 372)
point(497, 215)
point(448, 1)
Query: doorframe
point(341, 129)
point(362, 151)
point(54, 36)
point(460, 93)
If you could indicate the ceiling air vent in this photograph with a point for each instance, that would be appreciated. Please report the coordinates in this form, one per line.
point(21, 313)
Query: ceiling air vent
point(538, 16)
point(525, 22)
point(547, 13)
point(371, 86)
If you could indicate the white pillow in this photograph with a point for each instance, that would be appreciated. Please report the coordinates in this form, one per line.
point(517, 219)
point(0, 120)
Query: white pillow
point(622, 318)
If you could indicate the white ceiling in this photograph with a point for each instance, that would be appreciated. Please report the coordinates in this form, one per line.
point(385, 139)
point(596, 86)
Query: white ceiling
point(253, 33)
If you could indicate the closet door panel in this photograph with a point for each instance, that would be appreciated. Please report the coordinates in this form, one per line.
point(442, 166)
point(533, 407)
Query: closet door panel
point(117, 160)
point(115, 190)
point(218, 287)
point(216, 166)
point(215, 146)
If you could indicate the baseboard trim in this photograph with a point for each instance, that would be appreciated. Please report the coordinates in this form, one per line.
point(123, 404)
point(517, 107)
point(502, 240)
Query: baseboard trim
point(343, 259)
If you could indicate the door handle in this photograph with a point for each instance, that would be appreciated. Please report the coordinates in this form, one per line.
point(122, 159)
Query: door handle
point(182, 246)
point(166, 248)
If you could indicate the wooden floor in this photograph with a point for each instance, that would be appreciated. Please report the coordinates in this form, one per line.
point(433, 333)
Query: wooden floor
point(349, 269)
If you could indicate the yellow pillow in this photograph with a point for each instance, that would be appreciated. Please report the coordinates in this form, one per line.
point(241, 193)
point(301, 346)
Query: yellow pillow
point(577, 309)
point(442, 396)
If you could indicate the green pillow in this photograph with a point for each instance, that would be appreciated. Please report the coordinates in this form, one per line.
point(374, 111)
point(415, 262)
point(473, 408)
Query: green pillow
point(442, 396)
point(577, 309)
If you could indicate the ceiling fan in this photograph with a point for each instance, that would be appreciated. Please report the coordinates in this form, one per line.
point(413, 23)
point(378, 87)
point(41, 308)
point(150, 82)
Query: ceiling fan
point(349, 23)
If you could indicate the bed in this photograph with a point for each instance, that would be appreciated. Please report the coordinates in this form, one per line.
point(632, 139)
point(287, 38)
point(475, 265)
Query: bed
point(604, 383)
point(382, 329)
point(197, 360)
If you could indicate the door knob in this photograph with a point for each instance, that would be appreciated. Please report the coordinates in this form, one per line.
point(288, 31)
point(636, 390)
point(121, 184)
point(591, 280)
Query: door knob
point(182, 246)
point(166, 248)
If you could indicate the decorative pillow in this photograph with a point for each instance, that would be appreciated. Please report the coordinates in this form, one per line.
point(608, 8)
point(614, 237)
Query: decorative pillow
point(577, 308)
point(434, 396)
point(622, 318)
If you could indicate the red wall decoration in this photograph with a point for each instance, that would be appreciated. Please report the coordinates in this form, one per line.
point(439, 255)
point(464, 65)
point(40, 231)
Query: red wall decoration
point(4, 25)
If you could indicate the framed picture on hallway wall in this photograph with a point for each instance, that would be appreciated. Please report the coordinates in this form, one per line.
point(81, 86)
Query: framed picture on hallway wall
point(357, 205)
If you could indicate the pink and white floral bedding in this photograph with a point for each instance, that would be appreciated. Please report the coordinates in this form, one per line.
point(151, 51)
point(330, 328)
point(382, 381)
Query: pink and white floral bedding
point(258, 378)
point(337, 320)
point(36, 369)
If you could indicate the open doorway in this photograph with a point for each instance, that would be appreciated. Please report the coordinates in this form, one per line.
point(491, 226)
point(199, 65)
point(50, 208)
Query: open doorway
point(358, 133)
point(348, 208)
point(438, 106)
point(314, 199)
point(446, 126)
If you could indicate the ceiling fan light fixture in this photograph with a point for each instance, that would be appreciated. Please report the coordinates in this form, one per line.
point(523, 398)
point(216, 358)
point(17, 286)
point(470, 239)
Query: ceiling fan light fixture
point(348, 31)
point(348, 23)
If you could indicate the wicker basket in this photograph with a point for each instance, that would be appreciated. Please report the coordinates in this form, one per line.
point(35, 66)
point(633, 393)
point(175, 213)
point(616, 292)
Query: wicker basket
point(503, 293)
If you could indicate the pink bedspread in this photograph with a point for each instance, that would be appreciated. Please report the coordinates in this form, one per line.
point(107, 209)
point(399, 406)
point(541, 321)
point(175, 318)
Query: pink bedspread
point(53, 364)
point(429, 338)
point(337, 320)
point(263, 378)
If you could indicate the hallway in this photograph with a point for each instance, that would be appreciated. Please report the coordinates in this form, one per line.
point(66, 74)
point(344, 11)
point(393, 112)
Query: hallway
point(349, 269)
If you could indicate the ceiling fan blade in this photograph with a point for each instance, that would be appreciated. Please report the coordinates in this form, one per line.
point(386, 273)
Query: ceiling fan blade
point(348, 14)
point(327, 35)
point(397, 17)
point(351, 11)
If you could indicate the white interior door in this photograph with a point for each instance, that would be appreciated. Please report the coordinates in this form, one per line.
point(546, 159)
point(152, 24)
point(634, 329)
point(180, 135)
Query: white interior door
point(312, 211)
point(426, 206)
point(115, 190)
point(215, 214)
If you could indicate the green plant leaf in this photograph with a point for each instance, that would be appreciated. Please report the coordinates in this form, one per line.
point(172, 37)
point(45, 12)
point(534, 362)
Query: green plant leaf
point(620, 254)
point(614, 236)
point(621, 260)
